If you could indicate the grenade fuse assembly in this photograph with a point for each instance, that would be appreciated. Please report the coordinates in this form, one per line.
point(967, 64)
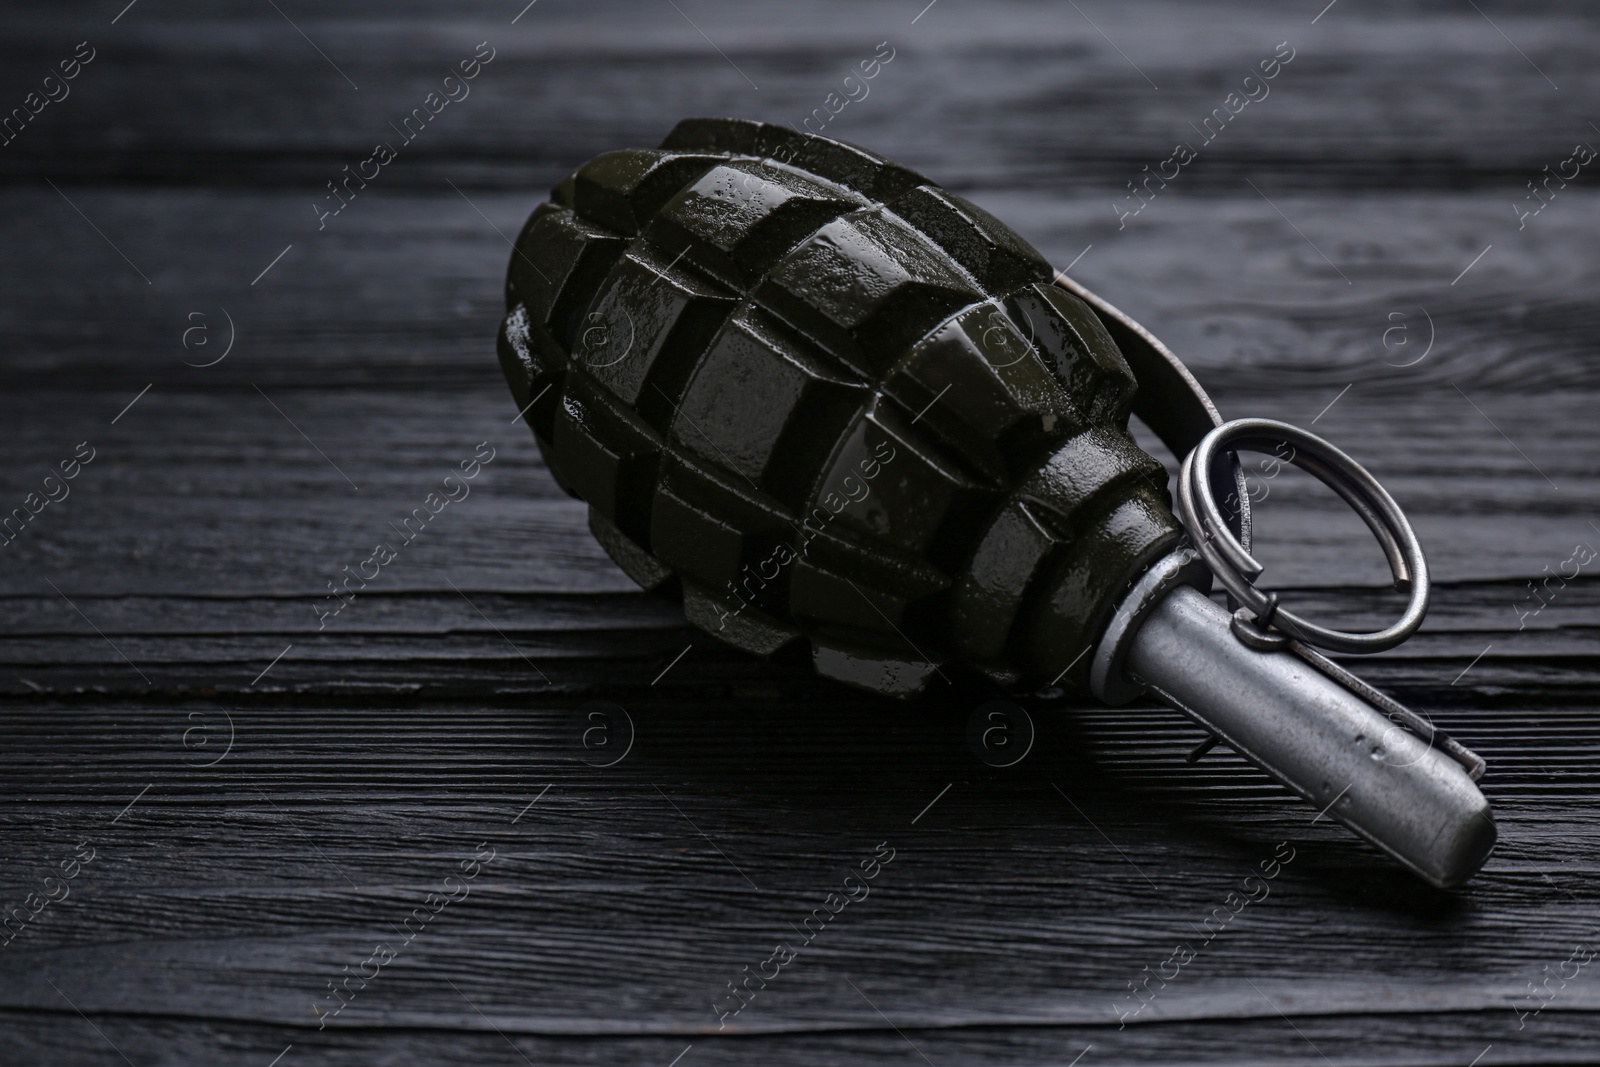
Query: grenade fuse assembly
point(851, 417)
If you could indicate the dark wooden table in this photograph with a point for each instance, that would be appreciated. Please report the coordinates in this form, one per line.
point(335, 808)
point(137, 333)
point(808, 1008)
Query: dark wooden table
point(267, 802)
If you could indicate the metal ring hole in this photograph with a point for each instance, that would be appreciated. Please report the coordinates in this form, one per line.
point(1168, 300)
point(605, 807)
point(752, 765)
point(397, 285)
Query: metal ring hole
point(1236, 569)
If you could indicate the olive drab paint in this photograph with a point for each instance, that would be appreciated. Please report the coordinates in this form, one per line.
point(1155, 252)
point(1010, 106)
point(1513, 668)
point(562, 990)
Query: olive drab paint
point(845, 414)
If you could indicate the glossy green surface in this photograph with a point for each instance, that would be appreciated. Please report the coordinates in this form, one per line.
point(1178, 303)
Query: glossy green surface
point(841, 411)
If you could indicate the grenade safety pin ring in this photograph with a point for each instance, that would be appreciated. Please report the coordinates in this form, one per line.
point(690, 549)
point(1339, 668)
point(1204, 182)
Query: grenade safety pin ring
point(1236, 569)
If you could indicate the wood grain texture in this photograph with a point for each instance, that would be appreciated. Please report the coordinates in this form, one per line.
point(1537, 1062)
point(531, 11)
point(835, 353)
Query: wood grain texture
point(378, 752)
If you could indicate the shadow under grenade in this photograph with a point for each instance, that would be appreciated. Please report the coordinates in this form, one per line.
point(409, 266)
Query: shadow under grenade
point(852, 418)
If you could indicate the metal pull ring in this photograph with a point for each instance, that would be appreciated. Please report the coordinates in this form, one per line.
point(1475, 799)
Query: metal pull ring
point(1237, 570)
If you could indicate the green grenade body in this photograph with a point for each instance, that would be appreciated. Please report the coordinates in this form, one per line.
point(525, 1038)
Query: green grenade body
point(846, 414)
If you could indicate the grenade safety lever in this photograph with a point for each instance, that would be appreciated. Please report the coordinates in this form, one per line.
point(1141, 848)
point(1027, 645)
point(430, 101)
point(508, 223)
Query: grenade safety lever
point(852, 420)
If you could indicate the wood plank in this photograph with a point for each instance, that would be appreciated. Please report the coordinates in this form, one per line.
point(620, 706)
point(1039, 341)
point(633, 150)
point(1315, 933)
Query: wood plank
point(291, 851)
point(268, 514)
point(447, 646)
point(1441, 1038)
point(1047, 101)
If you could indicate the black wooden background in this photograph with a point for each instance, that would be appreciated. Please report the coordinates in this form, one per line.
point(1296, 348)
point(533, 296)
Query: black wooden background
point(1350, 253)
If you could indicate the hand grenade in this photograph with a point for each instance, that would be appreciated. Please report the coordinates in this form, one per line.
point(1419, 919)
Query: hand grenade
point(852, 419)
